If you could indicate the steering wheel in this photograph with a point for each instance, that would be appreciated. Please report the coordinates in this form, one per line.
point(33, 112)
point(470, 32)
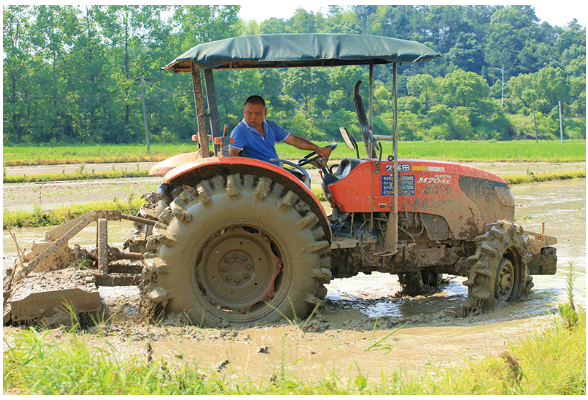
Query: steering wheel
point(307, 159)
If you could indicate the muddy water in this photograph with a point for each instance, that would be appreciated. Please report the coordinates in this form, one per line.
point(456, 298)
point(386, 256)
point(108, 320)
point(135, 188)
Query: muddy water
point(560, 204)
point(434, 334)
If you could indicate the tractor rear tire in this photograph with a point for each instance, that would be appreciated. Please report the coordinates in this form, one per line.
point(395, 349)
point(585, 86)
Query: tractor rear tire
point(236, 250)
point(498, 269)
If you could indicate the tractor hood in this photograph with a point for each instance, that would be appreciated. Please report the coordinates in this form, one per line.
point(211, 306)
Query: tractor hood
point(300, 50)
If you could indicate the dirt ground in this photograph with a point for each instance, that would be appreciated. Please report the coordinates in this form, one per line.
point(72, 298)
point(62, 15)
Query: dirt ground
point(49, 195)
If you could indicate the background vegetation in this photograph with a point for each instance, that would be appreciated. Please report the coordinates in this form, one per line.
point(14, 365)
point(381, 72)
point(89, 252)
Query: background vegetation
point(72, 74)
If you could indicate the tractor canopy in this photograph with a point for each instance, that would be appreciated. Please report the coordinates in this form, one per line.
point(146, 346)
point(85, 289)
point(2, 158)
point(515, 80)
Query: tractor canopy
point(300, 50)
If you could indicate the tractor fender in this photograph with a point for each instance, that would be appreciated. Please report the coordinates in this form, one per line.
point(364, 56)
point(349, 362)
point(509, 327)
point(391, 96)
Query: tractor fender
point(163, 167)
point(200, 169)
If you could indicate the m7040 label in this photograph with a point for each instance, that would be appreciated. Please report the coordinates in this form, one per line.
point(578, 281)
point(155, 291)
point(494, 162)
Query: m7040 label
point(437, 179)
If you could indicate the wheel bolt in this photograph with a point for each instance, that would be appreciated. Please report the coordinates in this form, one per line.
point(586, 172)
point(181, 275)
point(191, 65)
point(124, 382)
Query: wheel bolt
point(235, 255)
point(228, 277)
point(224, 269)
point(248, 266)
point(227, 259)
point(245, 275)
point(237, 280)
point(243, 257)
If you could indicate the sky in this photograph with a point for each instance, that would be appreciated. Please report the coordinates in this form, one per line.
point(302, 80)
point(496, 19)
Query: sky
point(556, 13)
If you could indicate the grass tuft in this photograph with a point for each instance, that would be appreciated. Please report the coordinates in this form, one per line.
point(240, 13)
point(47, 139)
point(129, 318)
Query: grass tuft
point(60, 215)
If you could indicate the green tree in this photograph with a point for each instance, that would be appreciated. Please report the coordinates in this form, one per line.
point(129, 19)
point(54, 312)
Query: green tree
point(17, 53)
point(553, 86)
point(302, 22)
point(423, 87)
point(53, 32)
point(344, 78)
point(467, 53)
point(510, 27)
point(521, 93)
point(305, 83)
point(273, 25)
point(465, 88)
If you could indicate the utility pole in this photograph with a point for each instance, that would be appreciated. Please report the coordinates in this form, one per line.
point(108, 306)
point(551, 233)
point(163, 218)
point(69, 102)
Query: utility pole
point(534, 120)
point(560, 124)
point(502, 102)
point(140, 79)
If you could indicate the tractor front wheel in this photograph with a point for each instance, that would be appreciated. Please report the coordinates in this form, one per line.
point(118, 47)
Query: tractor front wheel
point(498, 269)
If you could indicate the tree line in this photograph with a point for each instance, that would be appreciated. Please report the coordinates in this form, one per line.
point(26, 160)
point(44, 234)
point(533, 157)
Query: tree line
point(74, 74)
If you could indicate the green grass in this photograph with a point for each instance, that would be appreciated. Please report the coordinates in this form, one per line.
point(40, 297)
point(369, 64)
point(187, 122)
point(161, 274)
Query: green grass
point(543, 177)
point(521, 151)
point(550, 361)
point(515, 151)
point(60, 215)
point(46, 155)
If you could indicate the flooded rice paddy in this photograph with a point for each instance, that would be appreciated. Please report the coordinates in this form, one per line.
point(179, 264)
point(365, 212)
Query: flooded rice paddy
point(434, 333)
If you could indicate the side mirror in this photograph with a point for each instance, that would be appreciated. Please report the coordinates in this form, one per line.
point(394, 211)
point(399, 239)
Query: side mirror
point(349, 141)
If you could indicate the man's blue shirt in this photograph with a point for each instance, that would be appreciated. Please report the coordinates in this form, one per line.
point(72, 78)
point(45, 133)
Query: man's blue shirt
point(257, 146)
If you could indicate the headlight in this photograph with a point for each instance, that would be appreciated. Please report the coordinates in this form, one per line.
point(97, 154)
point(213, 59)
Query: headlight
point(505, 195)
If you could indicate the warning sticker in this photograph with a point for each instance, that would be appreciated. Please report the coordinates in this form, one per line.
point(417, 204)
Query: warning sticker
point(406, 185)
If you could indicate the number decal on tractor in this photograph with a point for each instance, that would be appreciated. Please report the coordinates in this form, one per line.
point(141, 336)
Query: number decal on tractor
point(401, 167)
point(437, 189)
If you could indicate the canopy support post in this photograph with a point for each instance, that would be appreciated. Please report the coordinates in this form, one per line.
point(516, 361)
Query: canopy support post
point(391, 241)
point(200, 114)
point(371, 96)
point(212, 107)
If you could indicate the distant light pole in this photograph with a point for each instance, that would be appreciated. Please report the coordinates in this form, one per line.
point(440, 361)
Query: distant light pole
point(502, 102)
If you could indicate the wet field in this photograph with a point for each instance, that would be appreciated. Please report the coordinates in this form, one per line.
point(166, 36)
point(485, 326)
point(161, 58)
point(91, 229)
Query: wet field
point(561, 205)
point(435, 334)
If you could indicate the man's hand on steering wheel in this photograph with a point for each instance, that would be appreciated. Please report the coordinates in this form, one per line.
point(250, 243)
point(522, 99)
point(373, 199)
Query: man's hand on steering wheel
point(319, 157)
point(324, 151)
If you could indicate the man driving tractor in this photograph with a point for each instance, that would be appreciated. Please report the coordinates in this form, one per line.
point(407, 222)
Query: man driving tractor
point(256, 137)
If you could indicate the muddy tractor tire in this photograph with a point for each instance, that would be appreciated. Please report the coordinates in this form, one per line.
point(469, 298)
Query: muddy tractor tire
point(498, 269)
point(155, 203)
point(235, 250)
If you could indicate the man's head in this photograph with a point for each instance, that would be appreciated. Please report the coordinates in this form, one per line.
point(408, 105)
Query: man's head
point(254, 111)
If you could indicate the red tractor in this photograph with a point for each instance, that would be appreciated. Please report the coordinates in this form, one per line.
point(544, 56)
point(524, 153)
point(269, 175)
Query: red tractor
point(239, 240)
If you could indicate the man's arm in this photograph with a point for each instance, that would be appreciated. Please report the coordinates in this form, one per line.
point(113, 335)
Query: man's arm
point(233, 152)
point(304, 144)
